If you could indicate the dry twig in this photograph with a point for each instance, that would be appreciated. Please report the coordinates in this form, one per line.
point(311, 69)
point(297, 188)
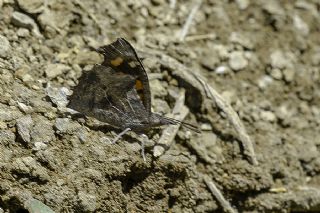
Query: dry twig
point(201, 37)
point(179, 112)
point(218, 195)
point(187, 24)
point(233, 118)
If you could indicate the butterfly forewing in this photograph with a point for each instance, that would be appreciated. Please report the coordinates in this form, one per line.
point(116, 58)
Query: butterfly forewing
point(122, 57)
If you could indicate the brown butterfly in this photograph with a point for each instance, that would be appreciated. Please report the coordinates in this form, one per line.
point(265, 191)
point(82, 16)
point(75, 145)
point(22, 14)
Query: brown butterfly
point(117, 92)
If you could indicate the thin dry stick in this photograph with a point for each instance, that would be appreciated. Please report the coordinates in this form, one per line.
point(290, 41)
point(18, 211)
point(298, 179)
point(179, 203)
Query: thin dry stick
point(233, 118)
point(201, 37)
point(179, 112)
point(187, 24)
point(190, 76)
point(218, 195)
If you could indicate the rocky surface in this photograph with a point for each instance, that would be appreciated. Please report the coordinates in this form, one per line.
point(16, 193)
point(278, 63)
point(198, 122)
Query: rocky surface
point(262, 56)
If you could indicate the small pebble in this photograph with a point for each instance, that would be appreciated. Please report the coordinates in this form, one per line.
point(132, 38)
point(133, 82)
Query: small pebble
point(24, 126)
point(301, 26)
point(268, 116)
point(239, 38)
point(23, 74)
point(221, 70)
point(264, 81)
point(237, 61)
point(39, 146)
point(54, 70)
point(58, 96)
point(278, 60)
point(24, 108)
point(288, 75)
point(209, 139)
point(276, 74)
point(22, 32)
point(210, 61)
point(24, 21)
point(161, 106)
point(82, 135)
point(157, 88)
point(243, 4)
point(222, 51)
point(206, 127)
point(4, 47)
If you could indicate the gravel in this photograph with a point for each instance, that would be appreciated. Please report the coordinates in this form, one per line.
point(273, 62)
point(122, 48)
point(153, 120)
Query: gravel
point(4, 47)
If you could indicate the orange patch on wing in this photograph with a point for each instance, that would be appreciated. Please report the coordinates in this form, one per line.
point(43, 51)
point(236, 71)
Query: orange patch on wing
point(139, 85)
point(139, 88)
point(117, 61)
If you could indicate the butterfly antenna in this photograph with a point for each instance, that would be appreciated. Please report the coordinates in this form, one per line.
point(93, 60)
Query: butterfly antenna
point(186, 125)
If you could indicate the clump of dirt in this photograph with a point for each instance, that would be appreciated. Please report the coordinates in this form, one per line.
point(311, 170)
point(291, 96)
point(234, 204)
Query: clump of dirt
point(262, 56)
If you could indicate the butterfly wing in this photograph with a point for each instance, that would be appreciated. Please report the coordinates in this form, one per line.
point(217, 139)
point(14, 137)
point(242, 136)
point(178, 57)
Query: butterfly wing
point(121, 56)
point(108, 96)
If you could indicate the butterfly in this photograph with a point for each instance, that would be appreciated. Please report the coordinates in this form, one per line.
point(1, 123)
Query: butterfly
point(117, 92)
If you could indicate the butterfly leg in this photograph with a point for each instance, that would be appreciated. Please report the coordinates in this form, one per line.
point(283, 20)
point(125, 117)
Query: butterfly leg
point(145, 139)
point(120, 135)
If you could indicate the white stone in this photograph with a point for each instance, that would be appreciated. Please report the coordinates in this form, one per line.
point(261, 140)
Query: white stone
point(24, 108)
point(206, 127)
point(268, 116)
point(23, 32)
point(221, 70)
point(278, 60)
point(58, 96)
point(301, 26)
point(237, 61)
point(264, 81)
point(39, 146)
point(243, 4)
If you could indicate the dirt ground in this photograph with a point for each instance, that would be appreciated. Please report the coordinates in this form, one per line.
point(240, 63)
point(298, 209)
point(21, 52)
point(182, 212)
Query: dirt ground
point(263, 57)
